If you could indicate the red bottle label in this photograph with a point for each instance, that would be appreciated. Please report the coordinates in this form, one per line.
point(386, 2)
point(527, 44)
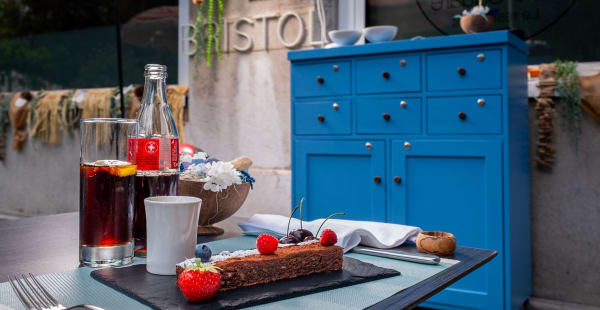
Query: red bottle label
point(146, 153)
point(174, 153)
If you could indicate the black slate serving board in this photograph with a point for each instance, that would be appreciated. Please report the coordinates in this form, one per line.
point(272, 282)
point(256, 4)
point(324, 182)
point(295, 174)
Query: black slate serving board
point(161, 292)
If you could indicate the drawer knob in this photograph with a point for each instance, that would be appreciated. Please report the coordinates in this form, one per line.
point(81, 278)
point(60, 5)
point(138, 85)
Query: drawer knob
point(320, 79)
point(462, 115)
point(335, 68)
point(461, 71)
point(368, 146)
point(480, 57)
point(397, 179)
point(403, 104)
point(386, 116)
point(377, 180)
point(407, 145)
point(336, 106)
point(386, 75)
point(403, 62)
point(321, 118)
point(481, 102)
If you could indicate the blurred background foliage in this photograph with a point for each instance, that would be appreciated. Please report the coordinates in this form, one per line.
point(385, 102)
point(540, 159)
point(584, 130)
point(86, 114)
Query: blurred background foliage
point(58, 44)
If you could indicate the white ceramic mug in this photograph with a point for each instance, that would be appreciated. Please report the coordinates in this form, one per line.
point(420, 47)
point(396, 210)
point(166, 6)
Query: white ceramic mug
point(171, 231)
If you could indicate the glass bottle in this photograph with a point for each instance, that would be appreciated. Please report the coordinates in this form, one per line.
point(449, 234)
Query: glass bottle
point(157, 152)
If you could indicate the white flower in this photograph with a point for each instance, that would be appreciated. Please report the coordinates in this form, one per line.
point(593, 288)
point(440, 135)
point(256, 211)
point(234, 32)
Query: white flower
point(186, 158)
point(200, 155)
point(479, 10)
point(220, 175)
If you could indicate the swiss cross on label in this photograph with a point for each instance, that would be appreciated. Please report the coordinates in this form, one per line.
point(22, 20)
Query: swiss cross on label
point(151, 147)
point(146, 153)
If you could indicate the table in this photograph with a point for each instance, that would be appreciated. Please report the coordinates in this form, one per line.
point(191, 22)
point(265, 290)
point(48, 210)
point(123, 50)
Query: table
point(48, 244)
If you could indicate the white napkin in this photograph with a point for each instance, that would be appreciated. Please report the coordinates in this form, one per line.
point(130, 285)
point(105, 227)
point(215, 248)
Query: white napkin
point(349, 233)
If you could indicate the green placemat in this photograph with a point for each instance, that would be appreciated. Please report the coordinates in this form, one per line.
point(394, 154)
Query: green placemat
point(75, 287)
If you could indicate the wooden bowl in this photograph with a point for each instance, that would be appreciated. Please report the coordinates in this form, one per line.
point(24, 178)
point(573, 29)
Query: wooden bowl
point(436, 242)
point(215, 207)
point(476, 23)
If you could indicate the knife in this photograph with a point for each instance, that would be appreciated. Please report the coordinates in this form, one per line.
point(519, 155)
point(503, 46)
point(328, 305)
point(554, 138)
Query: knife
point(420, 258)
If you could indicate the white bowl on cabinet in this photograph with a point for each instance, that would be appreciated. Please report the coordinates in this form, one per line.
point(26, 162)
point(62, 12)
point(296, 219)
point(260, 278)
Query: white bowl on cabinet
point(377, 34)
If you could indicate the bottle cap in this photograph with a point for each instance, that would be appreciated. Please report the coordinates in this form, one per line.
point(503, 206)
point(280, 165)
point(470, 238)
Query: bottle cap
point(155, 71)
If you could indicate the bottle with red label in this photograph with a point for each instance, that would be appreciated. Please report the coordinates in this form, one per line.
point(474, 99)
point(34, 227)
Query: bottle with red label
point(157, 148)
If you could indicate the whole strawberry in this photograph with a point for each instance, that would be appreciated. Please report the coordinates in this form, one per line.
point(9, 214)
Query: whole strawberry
point(328, 237)
point(266, 244)
point(199, 283)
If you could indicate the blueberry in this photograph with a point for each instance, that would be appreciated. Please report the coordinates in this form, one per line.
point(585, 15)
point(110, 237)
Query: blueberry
point(203, 253)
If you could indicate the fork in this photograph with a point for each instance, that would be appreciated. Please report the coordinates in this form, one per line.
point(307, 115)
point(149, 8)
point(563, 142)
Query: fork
point(34, 296)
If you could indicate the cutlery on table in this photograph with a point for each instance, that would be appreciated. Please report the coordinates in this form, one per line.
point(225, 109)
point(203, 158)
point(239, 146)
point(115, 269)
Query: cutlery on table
point(420, 258)
point(34, 296)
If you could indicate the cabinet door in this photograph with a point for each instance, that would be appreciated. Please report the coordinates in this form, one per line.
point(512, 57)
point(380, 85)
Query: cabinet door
point(340, 176)
point(454, 186)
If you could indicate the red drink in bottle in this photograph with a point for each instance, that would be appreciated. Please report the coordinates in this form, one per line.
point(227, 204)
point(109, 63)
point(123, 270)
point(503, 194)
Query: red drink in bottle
point(157, 148)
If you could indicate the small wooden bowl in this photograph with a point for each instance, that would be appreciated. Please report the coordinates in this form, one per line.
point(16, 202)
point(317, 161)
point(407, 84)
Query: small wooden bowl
point(476, 23)
point(436, 242)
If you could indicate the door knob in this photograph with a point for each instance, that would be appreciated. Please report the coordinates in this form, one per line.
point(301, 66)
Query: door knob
point(403, 104)
point(407, 145)
point(368, 146)
point(336, 106)
point(320, 79)
point(397, 179)
point(335, 68)
point(480, 57)
point(481, 102)
point(386, 75)
point(403, 62)
point(321, 118)
point(377, 180)
point(386, 116)
point(462, 115)
point(461, 71)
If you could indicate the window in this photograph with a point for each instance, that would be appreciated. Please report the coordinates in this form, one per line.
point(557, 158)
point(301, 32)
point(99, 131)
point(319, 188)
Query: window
point(65, 44)
point(554, 29)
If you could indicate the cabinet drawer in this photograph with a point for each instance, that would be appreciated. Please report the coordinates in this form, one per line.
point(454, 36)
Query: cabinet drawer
point(465, 70)
point(464, 115)
point(388, 115)
point(321, 79)
point(399, 73)
point(322, 117)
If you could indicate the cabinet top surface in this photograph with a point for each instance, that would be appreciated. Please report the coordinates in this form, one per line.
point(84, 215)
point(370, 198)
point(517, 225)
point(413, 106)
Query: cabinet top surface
point(462, 40)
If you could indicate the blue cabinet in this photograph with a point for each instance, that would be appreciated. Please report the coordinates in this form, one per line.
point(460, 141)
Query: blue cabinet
point(346, 171)
point(431, 133)
point(455, 186)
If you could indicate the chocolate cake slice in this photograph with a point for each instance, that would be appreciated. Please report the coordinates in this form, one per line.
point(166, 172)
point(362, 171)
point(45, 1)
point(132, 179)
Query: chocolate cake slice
point(246, 268)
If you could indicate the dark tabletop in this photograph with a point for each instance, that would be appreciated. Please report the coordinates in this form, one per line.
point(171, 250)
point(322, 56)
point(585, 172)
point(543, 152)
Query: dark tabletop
point(48, 244)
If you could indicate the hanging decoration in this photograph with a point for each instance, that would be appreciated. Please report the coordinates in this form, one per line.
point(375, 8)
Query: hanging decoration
point(176, 97)
point(44, 120)
point(18, 112)
point(97, 103)
point(208, 31)
point(45, 115)
point(569, 92)
point(5, 99)
point(544, 109)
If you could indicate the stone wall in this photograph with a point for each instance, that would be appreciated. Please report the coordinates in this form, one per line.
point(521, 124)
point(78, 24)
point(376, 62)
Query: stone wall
point(241, 104)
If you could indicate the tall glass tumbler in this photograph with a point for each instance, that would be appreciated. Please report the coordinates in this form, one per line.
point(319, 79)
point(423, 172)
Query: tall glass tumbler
point(106, 191)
